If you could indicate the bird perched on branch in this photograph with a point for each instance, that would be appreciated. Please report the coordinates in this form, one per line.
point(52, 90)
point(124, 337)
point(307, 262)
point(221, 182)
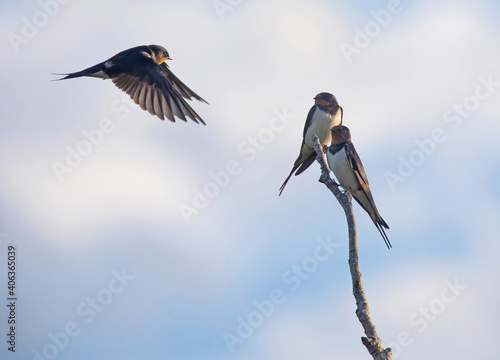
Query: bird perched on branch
point(143, 74)
point(345, 163)
point(325, 114)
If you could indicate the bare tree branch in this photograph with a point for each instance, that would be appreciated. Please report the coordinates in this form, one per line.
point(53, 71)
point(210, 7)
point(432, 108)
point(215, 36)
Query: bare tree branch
point(372, 342)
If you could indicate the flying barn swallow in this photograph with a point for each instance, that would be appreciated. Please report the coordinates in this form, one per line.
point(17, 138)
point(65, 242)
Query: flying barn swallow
point(346, 165)
point(325, 114)
point(143, 74)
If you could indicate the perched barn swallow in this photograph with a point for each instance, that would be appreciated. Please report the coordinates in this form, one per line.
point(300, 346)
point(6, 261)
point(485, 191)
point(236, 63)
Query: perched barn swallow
point(346, 165)
point(325, 114)
point(143, 74)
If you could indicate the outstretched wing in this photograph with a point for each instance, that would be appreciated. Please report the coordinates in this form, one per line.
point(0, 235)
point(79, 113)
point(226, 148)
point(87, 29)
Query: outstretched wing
point(180, 86)
point(156, 89)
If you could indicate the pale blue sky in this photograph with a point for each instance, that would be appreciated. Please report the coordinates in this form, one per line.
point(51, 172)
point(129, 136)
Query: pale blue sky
point(430, 71)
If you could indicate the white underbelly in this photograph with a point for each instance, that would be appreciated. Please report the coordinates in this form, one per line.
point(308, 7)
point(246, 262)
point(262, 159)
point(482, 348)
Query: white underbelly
point(342, 170)
point(100, 74)
point(321, 126)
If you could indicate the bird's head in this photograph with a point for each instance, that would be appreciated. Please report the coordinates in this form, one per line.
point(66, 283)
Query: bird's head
point(340, 135)
point(325, 99)
point(160, 54)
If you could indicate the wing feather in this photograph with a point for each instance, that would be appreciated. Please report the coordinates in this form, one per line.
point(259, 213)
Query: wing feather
point(156, 89)
point(157, 104)
point(150, 99)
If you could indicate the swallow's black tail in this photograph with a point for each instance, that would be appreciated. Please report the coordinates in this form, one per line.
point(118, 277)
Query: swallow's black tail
point(307, 162)
point(288, 178)
point(300, 167)
point(381, 224)
point(93, 71)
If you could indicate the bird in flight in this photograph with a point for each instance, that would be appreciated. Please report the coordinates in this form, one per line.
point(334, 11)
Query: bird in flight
point(325, 114)
point(345, 163)
point(143, 74)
